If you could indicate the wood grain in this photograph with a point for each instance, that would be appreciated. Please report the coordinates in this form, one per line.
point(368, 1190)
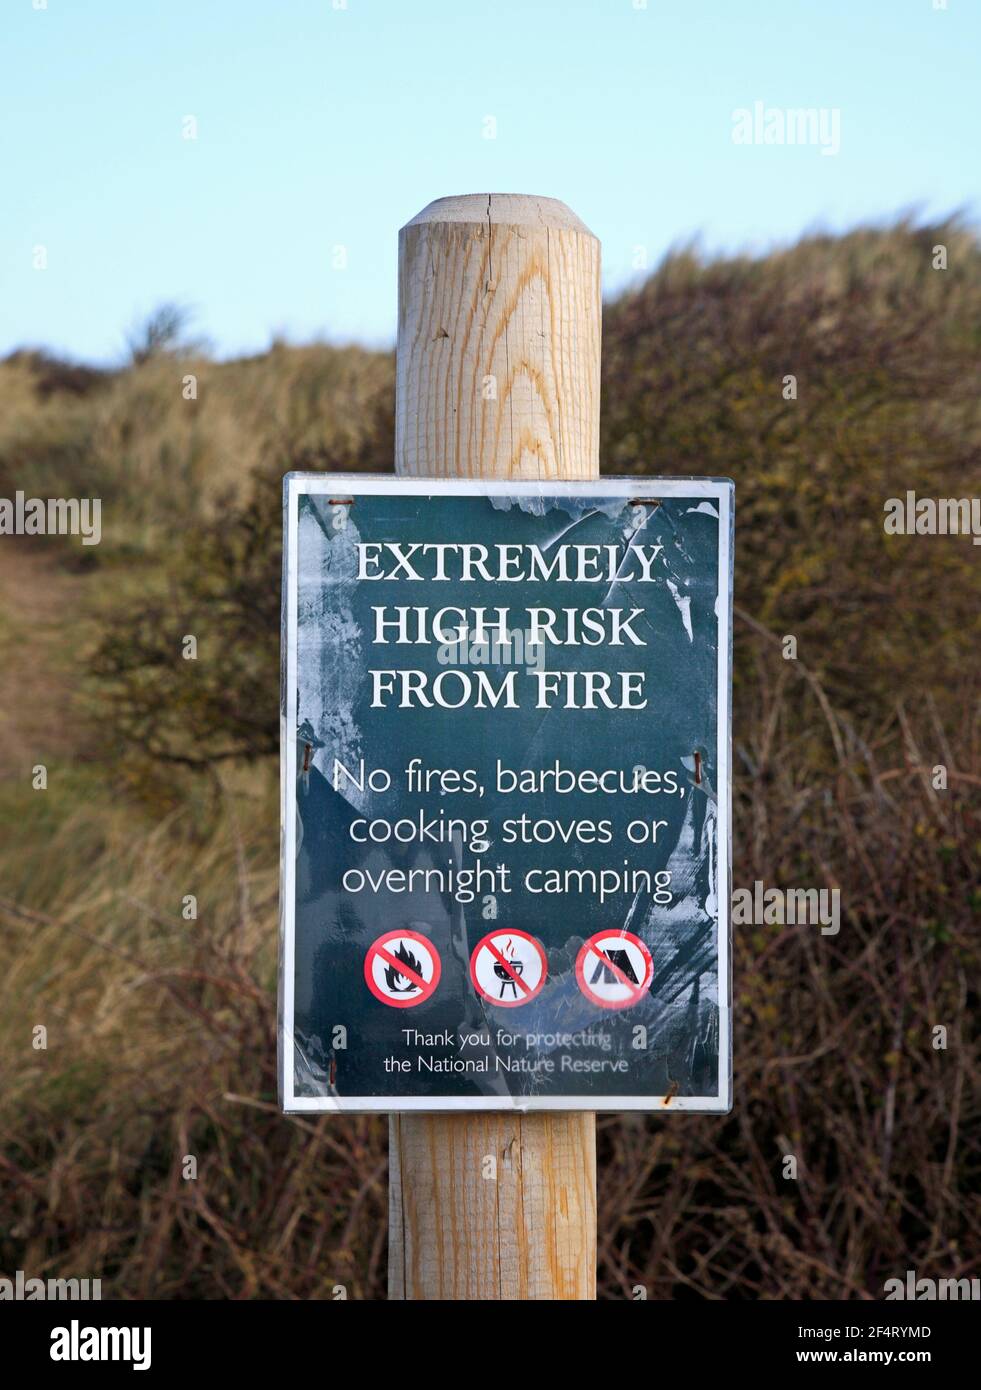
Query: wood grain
point(498, 365)
point(497, 371)
point(524, 1228)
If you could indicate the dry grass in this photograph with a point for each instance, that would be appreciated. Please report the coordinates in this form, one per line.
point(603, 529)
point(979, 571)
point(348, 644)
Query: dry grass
point(834, 1036)
point(163, 463)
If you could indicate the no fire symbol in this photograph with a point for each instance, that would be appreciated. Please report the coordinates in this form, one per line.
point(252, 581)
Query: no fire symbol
point(508, 968)
point(614, 969)
point(402, 968)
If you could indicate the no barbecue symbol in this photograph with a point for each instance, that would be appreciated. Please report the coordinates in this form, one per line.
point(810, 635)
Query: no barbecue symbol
point(508, 968)
point(614, 969)
point(402, 968)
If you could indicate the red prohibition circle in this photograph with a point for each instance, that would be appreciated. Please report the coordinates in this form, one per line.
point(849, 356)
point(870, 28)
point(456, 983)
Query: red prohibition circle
point(523, 994)
point(591, 947)
point(378, 948)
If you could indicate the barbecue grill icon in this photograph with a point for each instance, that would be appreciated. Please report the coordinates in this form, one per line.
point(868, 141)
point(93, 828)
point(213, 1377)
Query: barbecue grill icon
point(508, 968)
point(507, 979)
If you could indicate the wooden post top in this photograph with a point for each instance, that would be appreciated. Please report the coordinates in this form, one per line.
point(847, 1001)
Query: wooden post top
point(498, 356)
point(514, 209)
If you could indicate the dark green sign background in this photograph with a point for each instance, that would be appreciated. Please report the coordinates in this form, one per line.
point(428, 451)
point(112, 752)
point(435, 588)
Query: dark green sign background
point(670, 1039)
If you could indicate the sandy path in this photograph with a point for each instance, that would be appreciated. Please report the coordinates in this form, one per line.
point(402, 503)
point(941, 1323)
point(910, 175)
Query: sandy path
point(37, 602)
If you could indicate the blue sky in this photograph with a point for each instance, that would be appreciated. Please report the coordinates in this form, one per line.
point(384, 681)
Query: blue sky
point(322, 127)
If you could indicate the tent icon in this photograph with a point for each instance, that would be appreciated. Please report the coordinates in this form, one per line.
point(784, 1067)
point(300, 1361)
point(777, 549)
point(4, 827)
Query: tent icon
point(603, 975)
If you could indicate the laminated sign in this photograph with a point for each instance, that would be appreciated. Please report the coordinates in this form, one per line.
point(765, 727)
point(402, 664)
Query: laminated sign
point(506, 794)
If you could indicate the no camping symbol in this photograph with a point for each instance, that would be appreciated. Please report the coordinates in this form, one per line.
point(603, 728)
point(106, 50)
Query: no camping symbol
point(508, 968)
point(402, 968)
point(614, 969)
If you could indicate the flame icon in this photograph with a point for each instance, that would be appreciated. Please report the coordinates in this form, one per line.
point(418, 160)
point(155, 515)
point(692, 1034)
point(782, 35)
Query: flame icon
point(393, 976)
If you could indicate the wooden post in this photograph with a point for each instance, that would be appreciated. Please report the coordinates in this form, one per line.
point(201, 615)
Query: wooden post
point(498, 376)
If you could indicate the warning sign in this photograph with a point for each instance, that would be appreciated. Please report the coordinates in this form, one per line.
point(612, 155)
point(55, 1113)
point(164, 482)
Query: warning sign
point(614, 969)
point(508, 968)
point(506, 732)
point(402, 969)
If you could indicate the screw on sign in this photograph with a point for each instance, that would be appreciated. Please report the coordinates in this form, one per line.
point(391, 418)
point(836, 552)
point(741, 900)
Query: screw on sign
point(614, 969)
point(508, 968)
point(402, 969)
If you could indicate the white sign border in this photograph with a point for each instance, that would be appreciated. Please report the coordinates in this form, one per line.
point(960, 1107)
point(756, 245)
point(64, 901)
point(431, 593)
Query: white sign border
point(720, 490)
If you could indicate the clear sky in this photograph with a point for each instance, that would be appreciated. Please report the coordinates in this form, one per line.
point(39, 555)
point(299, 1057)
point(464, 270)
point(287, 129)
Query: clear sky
point(321, 126)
